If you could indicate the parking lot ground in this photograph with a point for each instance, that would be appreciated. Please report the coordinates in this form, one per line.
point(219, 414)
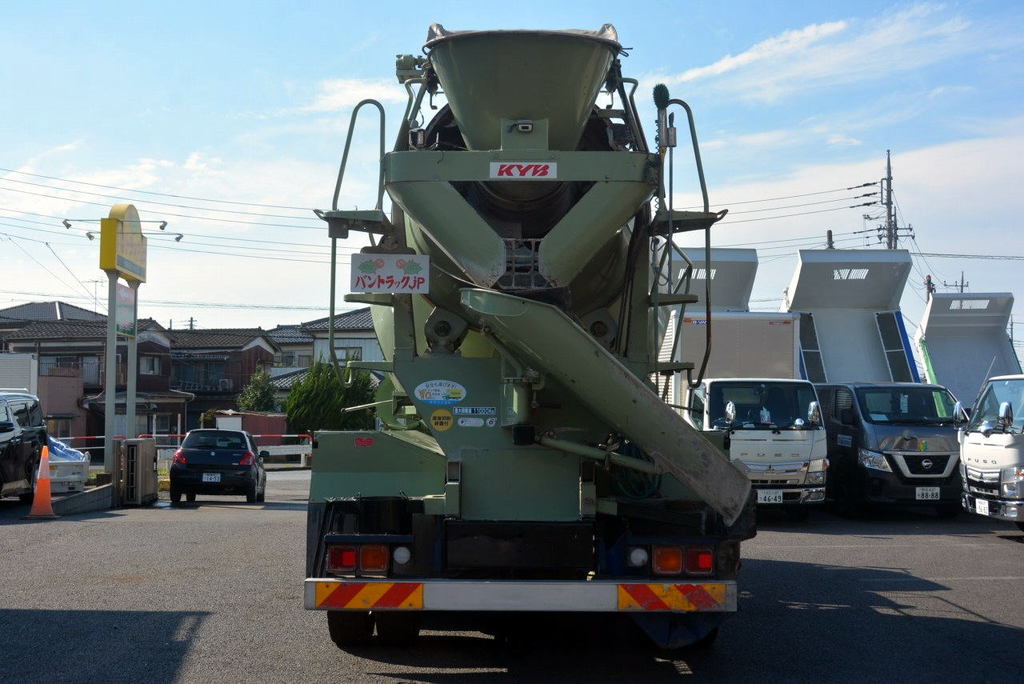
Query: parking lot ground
point(212, 593)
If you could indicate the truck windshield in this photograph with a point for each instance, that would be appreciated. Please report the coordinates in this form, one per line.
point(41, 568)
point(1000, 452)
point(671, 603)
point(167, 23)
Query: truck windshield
point(761, 405)
point(904, 404)
point(998, 391)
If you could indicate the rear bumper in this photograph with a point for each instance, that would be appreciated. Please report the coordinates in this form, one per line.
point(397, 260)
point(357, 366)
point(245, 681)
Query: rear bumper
point(599, 596)
point(1000, 509)
point(192, 480)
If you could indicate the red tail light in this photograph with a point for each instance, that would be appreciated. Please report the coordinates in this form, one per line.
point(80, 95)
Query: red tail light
point(247, 459)
point(179, 458)
point(699, 561)
point(341, 558)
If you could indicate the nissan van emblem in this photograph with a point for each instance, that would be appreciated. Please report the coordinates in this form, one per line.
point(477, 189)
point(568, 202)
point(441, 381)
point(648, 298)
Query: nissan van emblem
point(214, 453)
point(927, 464)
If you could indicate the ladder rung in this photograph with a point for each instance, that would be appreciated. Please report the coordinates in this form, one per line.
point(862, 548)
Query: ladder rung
point(671, 367)
point(675, 299)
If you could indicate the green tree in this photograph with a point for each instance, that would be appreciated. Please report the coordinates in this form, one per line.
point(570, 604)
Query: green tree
point(317, 401)
point(258, 395)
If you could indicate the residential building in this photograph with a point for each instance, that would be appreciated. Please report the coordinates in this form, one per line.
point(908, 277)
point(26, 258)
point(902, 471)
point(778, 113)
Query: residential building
point(354, 337)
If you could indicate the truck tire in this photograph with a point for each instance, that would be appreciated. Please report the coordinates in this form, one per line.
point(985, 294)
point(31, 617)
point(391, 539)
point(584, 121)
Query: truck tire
point(397, 628)
point(350, 628)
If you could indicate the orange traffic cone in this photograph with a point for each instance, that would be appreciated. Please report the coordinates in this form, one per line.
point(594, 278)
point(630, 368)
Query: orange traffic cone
point(42, 505)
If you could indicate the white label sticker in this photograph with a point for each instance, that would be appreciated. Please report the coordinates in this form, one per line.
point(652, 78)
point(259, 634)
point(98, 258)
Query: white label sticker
point(475, 411)
point(844, 440)
point(524, 170)
point(440, 392)
point(406, 273)
point(471, 422)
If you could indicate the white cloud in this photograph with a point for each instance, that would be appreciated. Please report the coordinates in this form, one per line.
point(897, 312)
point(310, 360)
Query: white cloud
point(842, 140)
point(339, 94)
point(840, 53)
point(785, 43)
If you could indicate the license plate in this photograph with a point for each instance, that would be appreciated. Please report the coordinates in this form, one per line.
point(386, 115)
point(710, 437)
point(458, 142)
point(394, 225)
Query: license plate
point(981, 506)
point(769, 496)
point(927, 493)
point(211, 477)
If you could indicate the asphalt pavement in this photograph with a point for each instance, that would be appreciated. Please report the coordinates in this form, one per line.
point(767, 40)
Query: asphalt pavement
point(212, 592)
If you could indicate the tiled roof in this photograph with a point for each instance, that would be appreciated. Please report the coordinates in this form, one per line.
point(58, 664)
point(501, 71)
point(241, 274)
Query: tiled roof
point(286, 380)
point(289, 334)
point(51, 311)
point(357, 320)
point(56, 330)
point(216, 338)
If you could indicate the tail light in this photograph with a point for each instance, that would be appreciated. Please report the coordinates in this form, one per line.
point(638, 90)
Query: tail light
point(373, 558)
point(247, 458)
point(179, 457)
point(700, 560)
point(667, 560)
point(341, 558)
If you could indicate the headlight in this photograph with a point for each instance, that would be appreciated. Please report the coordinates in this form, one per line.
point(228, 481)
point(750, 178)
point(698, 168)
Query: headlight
point(873, 459)
point(816, 478)
point(1011, 490)
point(1013, 474)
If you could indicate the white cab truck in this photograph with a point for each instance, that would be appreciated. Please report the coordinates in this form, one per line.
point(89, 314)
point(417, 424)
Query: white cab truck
point(992, 451)
point(773, 432)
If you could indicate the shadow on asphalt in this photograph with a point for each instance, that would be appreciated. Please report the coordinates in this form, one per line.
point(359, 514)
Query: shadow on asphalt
point(876, 622)
point(213, 503)
point(888, 521)
point(96, 645)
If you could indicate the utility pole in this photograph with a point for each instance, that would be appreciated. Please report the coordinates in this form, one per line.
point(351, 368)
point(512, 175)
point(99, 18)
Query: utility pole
point(960, 285)
point(191, 323)
point(829, 244)
point(890, 220)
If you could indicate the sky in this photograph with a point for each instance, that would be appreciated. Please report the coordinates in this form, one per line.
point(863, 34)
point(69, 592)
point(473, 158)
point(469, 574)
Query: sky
point(227, 120)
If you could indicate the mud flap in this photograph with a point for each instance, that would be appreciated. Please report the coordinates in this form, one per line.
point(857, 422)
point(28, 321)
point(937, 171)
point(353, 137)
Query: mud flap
point(675, 630)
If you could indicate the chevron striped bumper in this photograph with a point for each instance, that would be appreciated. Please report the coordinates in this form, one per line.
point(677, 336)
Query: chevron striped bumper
point(599, 596)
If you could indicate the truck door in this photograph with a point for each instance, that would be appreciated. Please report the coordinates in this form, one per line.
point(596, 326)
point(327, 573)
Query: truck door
point(843, 433)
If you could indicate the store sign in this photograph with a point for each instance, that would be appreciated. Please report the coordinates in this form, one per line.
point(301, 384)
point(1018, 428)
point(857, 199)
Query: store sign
point(122, 244)
point(125, 311)
point(395, 273)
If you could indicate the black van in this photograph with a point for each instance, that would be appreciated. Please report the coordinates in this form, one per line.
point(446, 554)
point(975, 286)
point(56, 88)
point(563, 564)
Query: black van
point(22, 436)
point(891, 443)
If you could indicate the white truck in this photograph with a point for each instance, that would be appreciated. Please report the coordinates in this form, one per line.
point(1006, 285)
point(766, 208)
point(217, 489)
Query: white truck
point(754, 391)
point(992, 452)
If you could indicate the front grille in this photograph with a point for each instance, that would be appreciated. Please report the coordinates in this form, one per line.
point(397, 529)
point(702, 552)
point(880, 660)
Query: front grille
point(979, 487)
point(782, 481)
point(916, 463)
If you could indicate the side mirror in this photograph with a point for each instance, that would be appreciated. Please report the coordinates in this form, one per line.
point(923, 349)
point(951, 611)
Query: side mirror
point(960, 415)
point(264, 454)
point(846, 416)
point(1005, 415)
point(730, 412)
point(814, 413)
point(6, 426)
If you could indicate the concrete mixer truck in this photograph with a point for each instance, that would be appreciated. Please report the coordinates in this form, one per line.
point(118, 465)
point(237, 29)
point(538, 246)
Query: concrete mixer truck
point(523, 464)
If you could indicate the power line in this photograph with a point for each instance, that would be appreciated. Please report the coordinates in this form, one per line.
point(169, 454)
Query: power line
point(782, 197)
point(806, 204)
point(165, 204)
point(158, 194)
point(12, 239)
point(803, 213)
point(993, 257)
point(170, 303)
point(165, 213)
point(79, 280)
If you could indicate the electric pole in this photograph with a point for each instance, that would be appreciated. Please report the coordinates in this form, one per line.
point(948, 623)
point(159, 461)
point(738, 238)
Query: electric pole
point(890, 220)
point(960, 285)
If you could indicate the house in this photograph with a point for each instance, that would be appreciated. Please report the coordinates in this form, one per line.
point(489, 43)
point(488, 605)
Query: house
point(215, 364)
point(354, 337)
point(71, 355)
point(296, 347)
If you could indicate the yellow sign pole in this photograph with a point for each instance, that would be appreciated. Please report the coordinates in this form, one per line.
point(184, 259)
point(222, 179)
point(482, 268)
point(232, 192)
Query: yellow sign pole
point(122, 255)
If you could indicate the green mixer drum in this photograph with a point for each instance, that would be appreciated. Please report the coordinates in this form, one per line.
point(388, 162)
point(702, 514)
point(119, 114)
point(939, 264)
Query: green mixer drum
point(492, 75)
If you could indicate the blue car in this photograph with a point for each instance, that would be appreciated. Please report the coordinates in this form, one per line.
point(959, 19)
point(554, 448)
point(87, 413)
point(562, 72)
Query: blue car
point(214, 461)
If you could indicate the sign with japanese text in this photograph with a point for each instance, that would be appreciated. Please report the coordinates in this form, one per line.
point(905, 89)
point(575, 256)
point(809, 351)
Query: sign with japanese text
point(125, 311)
point(405, 273)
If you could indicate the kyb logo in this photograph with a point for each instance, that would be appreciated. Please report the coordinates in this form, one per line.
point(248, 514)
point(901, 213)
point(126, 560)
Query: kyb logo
point(516, 170)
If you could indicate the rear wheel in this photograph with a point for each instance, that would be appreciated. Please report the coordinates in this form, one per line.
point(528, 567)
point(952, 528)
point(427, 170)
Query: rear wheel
point(175, 496)
point(349, 628)
point(29, 496)
point(261, 495)
point(250, 494)
point(397, 628)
